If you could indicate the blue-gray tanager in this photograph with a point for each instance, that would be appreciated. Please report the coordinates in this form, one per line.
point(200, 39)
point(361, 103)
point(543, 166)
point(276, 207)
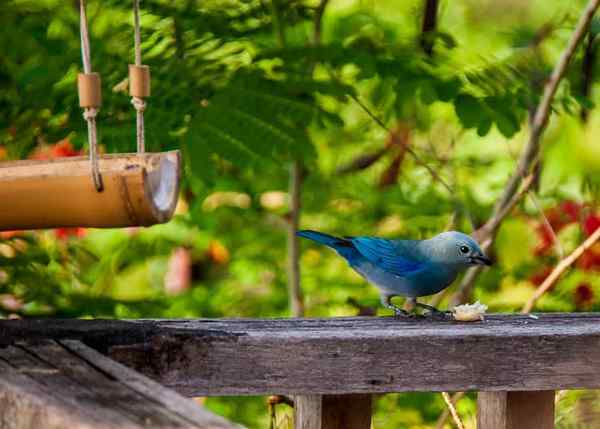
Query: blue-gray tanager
point(409, 268)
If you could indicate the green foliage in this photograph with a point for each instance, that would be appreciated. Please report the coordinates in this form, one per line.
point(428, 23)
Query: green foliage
point(241, 107)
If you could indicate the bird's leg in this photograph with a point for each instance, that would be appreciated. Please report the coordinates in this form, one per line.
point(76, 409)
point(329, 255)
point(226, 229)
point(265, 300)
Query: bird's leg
point(432, 309)
point(386, 301)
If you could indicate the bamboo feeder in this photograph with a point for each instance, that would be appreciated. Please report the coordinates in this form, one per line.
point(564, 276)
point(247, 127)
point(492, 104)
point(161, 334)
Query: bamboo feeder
point(139, 190)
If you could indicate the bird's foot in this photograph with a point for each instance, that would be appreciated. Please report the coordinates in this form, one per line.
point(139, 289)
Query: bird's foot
point(398, 312)
point(442, 315)
point(403, 314)
point(433, 312)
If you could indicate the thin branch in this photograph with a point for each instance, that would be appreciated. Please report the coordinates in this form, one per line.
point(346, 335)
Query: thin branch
point(295, 296)
point(429, 26)
point(485, 236)
point(318, 20)
point(531, 151)
point(455, 416)
point(441, 421)
point(560, 252)
point(557, 244)
point(278, 25)
point(436, 177)
point(294, 289)
point(560, 268)
point(542, 112)
point(587, 70)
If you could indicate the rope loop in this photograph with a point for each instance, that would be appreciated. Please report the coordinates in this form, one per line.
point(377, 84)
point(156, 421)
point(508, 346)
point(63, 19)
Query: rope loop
point(138, 104)
point(90, 113)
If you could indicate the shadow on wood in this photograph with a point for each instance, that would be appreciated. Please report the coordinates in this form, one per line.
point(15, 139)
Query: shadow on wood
point(333, 412)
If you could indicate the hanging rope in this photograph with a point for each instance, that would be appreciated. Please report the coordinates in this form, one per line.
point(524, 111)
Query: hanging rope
point(139, 80)
point(89, 97)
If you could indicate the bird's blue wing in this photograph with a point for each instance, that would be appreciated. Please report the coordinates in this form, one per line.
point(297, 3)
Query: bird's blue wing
point(388, 255)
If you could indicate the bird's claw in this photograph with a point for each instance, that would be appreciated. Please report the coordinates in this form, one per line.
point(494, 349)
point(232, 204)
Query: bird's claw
point(403, 314)
point(439, 314)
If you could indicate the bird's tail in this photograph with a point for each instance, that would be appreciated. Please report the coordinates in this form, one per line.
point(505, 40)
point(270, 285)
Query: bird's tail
point(326, 239)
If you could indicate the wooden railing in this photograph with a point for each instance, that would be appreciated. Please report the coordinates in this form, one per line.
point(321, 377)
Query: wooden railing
point(332, 366)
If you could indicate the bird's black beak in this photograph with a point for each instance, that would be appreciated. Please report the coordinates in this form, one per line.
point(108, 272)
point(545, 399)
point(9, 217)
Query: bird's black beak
point(481, 260)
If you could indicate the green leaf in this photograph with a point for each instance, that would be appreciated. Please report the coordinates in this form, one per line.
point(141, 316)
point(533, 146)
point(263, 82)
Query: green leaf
point(468, 109)
point(484, 126)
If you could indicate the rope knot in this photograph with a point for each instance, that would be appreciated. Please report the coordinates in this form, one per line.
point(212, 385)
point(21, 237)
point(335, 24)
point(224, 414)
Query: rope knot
point(90, 113)
point(139, 104)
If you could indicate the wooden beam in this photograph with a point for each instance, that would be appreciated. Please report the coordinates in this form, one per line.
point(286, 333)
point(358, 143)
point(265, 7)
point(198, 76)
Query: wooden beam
point(332, 411)
point(343, 355)
point(68, 385)
point(515, 410)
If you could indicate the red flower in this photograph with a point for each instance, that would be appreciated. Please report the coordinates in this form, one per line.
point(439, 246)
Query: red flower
point(62, 149)
point(591, 224)
point(583, 295)
point(571, 210)
point(65, 233)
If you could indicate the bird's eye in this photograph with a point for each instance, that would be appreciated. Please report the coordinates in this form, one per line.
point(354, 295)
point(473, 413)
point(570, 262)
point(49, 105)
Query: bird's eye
point(464, 249)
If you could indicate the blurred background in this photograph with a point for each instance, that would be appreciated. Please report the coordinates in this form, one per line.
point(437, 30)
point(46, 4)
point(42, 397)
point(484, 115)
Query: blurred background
point(357, 117)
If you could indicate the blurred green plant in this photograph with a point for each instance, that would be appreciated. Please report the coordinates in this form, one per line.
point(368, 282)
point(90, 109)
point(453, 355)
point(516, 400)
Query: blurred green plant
point(240, 107)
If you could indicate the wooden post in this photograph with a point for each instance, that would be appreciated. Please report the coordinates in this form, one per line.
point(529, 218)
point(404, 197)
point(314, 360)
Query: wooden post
point(515, 410)
point(308, 412)
point(333, 411)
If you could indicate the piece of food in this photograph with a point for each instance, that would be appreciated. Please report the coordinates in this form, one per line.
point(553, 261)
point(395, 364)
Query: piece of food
point(469, 312)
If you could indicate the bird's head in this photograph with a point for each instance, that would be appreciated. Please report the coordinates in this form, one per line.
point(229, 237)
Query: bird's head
point(456, 248)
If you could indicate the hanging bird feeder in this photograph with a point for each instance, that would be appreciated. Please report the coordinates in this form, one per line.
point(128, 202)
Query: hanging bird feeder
point(105, 191)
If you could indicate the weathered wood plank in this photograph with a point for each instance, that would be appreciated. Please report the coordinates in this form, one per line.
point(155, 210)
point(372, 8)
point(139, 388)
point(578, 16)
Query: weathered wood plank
point(344, 355)
point(515, 410)
point(45, 384)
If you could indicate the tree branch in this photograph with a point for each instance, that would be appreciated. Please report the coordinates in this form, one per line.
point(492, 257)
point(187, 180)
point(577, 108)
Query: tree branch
point(457, 421)
point(560, 269)
point(542, 112)
point(531, 151)
point(587, 70)
point(318, 20)
point(441, 421)
point(436, 177)
point(429, 26)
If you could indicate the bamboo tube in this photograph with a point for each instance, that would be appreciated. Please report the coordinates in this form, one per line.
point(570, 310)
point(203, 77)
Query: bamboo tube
point(139, 81)
point(89, 89)
point(139, 190)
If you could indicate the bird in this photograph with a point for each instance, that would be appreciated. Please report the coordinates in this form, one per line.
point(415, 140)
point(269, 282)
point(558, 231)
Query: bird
point(408, 268)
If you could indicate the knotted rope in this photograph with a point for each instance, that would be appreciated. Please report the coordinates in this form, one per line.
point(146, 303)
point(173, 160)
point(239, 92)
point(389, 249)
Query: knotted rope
point(138, 103)
point(89, 113)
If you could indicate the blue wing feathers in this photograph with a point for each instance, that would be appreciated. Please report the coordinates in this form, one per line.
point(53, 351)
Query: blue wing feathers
point(387, 255)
